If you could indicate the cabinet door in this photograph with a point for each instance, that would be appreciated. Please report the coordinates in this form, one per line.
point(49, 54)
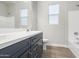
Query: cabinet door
point(39, 49)
point(36, 38)
point(25, 55)
point(36, 50)
point(24, 48)
point(12, 51)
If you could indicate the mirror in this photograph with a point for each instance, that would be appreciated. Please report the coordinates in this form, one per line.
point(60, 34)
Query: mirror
point(13, 14)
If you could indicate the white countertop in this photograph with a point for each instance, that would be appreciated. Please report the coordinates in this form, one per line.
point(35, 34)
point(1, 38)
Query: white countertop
point(11, 38)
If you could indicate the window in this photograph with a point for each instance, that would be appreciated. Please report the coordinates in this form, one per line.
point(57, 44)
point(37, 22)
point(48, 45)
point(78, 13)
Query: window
point(54, 14)
point(23, 16)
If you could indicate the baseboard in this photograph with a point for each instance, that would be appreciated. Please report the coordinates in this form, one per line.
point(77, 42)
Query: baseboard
point(75, 52)
point(58, 45)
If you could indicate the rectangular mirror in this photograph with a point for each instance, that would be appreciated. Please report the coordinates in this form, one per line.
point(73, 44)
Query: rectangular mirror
point(13, 14)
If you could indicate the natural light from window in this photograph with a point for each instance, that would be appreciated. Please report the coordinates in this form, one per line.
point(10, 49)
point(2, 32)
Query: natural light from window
point(54, 14)
point(23, 16)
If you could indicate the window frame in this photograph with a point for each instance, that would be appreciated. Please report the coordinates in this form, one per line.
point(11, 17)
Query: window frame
point(23, 17)
point(53, 14)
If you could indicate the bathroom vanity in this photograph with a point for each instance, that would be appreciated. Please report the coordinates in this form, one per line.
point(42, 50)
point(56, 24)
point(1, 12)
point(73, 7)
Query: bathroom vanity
point(28, 46)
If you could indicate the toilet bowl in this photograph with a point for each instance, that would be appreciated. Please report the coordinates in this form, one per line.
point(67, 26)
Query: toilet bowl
point(45, 43)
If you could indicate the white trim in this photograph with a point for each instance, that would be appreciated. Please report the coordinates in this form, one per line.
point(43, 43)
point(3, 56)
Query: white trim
point(74, 52)
point(58, 45)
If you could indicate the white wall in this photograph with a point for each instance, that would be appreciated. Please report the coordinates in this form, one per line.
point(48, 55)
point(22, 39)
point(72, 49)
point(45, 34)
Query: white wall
point(7, 22)
point(3, 9)
point(10, 30)
point(73, 22)
point(32, 21)
point(56, 34)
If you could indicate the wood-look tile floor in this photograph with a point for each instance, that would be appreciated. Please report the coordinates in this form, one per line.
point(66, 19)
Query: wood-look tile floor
point(57, 52)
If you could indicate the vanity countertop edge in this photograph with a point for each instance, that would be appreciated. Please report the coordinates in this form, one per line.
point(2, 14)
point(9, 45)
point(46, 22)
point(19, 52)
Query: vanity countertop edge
point(32, 33)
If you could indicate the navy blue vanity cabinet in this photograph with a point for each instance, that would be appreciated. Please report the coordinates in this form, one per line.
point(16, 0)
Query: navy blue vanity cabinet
point(31, 47)
point(14, 50)
point(23, 52)
point(36, 48)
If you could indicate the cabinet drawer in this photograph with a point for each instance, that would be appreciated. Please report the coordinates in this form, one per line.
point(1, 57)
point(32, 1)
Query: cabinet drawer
point(21, 52)
point(25, 55)
point(35, 38)
point(12, 49)
point(36, 49)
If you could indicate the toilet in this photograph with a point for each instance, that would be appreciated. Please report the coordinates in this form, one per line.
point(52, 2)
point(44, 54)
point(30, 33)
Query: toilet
point(45, 43)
